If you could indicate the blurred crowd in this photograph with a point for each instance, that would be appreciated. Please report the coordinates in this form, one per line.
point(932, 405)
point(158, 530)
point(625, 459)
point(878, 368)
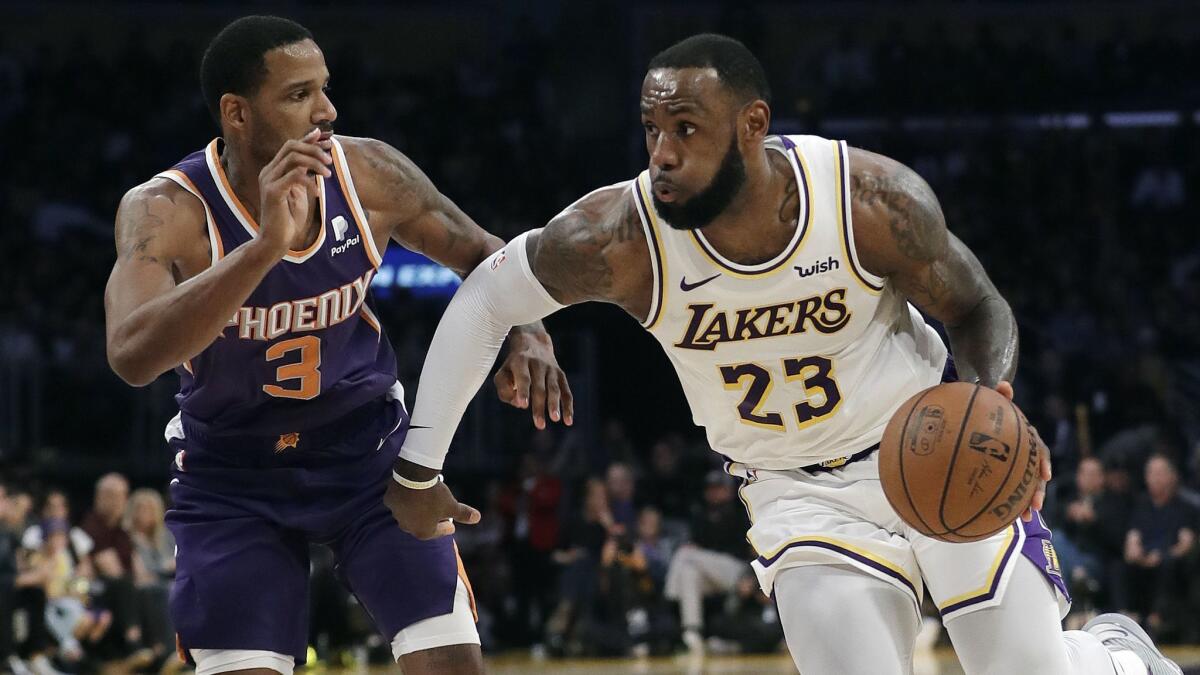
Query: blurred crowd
point(80, 594)
point(624, 540)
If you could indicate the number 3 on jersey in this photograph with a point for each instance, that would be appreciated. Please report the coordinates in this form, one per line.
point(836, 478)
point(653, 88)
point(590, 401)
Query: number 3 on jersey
point(306, 370)
point(814, 372)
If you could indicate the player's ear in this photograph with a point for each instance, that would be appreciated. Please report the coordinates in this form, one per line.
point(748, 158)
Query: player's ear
point(233, 111)
point(755, 120)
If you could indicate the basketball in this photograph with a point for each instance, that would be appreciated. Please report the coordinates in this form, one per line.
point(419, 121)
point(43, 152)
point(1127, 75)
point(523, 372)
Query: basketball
point(959, 462)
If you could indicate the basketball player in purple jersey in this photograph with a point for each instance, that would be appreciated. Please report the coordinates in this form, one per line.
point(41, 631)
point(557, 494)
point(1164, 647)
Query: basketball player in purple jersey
point(246, 268)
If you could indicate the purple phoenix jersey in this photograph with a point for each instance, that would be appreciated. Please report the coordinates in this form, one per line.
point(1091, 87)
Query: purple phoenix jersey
point(289, 423)
point(305, 348)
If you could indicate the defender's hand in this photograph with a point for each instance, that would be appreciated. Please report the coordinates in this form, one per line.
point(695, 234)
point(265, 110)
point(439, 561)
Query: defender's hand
point(426, 514)
point(1039, 496)
point(287, 183)
point(530, 378)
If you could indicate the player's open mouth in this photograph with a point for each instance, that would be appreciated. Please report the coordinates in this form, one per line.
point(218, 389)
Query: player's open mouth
point(665, 193)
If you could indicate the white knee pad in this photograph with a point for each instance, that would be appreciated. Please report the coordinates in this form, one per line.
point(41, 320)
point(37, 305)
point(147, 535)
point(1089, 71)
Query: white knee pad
point(211, 661)
point(455, 628)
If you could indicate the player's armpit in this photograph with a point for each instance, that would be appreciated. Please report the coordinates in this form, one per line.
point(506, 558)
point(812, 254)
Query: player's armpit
point(900, 233)
point(401, 199)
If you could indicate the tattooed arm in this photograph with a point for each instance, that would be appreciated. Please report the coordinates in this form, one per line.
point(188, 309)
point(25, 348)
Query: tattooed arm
point(900, 233)
point(403, 205)
point(588, 252)
point(595, 250)
point(163, 303)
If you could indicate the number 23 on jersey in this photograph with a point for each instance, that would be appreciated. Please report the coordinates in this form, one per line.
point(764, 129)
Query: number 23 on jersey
point(815, 373)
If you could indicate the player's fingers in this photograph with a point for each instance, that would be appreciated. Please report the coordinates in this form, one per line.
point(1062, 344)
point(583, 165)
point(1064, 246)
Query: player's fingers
point(444, 528)
point(310, 164)
point(305, 146)
point(519, 369)
point(1005, 388)
point(1047, 467)
point(553, 395)
point(467, 515)
point(504, 385)
point(537, 393)
point(568, 399)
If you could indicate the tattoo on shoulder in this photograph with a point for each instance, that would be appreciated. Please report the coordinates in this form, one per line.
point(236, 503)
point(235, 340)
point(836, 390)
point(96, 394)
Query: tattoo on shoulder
point(573, 252)
point(910, 207)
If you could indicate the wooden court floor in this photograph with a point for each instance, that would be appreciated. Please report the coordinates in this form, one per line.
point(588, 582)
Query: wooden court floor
point(941, 662)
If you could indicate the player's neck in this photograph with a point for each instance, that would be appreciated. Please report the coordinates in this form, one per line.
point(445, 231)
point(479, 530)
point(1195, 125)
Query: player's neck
point(243, 178)
point(750, 230)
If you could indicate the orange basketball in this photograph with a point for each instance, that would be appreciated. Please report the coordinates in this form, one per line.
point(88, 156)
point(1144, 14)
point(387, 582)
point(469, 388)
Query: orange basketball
point(959, 462)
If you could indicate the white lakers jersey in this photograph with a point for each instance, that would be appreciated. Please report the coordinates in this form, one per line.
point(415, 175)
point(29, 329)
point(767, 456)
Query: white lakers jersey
point(802, 358)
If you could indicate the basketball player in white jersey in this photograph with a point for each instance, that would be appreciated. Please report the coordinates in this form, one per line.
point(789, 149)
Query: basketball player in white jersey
point(778, 272)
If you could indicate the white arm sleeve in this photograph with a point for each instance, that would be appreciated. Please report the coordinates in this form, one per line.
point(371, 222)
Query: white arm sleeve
point(500, 293)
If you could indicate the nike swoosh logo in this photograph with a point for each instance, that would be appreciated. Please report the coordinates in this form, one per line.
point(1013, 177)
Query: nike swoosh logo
point(685, 286)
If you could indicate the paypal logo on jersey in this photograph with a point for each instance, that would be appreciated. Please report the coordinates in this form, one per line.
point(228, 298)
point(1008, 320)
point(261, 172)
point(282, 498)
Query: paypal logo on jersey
point(339, 228)
point(344, 247)
point(818, 267)
point(339, 232)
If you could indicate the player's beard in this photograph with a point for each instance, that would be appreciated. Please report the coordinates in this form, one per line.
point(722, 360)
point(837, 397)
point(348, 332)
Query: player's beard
point(711, 201)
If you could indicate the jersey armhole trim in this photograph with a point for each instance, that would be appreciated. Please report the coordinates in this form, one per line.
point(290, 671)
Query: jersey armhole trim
point(871, 283)
point(658, 297)
point(215, 245)
point(342, 166)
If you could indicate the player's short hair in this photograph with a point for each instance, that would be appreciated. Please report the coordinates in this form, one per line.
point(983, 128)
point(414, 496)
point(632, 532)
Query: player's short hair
point(234, 63)
point(735, 64)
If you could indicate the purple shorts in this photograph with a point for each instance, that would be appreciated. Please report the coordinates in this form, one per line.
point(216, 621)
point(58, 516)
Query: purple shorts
point(246, 509)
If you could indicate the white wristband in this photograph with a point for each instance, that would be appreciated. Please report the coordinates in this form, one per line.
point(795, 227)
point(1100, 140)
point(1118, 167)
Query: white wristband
point(416, 484)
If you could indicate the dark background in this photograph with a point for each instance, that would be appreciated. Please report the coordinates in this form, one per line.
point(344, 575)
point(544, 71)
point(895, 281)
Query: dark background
point(1061, 138)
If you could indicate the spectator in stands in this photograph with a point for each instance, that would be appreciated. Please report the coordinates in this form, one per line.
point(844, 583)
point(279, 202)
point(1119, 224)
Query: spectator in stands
point(55, 507)
point(532, 505)
point(713, 559)
point(21, 590)
point(1090, 532)
point(748, 623)
point(112, 558)
point(1159, 550)
point(68, 617)
point(579, 556)
point(153, 568)
point(619, 484)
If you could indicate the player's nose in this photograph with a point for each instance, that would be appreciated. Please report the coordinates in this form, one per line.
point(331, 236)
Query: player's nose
point(663, 155)
point(325, 113)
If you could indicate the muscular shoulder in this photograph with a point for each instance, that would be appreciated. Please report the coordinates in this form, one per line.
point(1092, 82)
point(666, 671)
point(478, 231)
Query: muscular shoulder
point(385, 178)
point(159, 221)
point(897, 218)
point(595, 250)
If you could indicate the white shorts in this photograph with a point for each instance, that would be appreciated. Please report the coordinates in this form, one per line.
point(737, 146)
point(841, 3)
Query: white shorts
point(842, 516)
point(455, 628)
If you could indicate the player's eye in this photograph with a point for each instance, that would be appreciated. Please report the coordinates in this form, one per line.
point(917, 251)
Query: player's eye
point(299, 95)
point(686, 129)
point(649, 127)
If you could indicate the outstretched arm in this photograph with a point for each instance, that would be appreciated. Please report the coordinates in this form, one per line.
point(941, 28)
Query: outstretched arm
point(404, 206)
point(900, 233)
point(573, 259)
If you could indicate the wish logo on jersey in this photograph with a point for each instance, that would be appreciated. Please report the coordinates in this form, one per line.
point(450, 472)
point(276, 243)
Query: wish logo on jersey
point(707, 329)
